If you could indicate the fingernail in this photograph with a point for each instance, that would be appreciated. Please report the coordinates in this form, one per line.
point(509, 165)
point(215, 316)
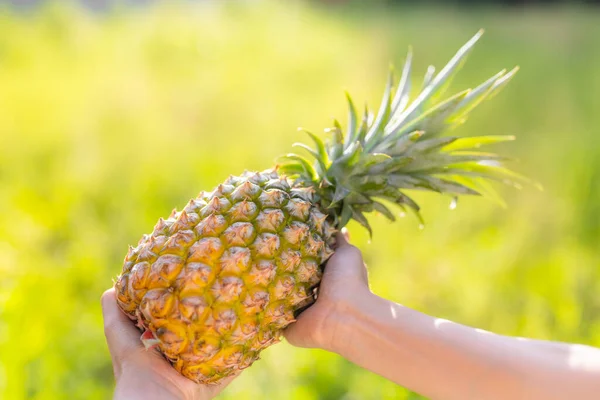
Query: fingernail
point(346, 233)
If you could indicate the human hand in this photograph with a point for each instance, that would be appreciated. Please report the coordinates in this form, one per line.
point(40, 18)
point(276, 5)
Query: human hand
point(140, 373)
point(344, 281)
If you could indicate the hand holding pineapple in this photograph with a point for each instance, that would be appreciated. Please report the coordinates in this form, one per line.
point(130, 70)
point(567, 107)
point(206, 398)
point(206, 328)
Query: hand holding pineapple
point(344, 281)
point(142, 374)
point(437, 358)
point(221, 280)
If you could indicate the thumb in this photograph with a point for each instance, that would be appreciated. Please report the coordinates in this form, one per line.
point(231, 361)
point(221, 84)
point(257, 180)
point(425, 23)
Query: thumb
point(342, 239)
point(121, 334)
point(346, 233)
point(347, 259)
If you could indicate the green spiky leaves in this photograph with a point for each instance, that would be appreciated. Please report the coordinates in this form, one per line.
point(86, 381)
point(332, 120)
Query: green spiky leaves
point(401, 148)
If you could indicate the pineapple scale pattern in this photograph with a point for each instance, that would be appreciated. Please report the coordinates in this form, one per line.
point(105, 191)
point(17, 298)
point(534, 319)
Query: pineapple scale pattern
point(215, 284)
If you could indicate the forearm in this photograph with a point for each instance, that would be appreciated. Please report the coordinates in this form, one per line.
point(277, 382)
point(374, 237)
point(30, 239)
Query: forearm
point(444, 360)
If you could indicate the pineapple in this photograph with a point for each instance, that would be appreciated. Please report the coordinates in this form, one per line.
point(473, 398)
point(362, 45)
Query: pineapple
point(217, 282)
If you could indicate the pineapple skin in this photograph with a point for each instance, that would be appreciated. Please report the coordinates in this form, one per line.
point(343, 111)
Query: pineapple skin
point(216, 283)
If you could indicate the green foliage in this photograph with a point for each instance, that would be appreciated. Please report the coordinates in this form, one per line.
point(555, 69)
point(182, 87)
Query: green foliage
point(398, 149)
point(108, 122)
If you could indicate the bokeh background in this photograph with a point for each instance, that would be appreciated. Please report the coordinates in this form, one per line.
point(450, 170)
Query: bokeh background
point(113, 113)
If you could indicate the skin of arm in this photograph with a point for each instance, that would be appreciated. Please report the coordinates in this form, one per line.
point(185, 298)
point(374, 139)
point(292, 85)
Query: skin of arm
point(434, 357)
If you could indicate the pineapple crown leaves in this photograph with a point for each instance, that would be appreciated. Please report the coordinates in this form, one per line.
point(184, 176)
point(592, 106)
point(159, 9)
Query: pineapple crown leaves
point(402, 148)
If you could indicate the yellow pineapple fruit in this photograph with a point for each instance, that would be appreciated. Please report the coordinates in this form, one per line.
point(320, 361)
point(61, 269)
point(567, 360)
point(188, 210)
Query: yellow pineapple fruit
point(215, 283)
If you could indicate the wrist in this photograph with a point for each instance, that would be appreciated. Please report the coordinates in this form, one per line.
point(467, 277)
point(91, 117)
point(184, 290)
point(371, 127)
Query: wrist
point(344, 322)
point(136, 383)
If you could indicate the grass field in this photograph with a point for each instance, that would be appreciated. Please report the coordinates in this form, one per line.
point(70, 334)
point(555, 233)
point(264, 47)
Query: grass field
point(109, 121)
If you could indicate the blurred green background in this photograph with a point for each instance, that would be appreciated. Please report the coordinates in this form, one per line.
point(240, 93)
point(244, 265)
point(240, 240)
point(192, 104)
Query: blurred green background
point(109, 120)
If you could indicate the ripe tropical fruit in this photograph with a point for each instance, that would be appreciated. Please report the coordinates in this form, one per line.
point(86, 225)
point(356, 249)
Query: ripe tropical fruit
point(215, 283)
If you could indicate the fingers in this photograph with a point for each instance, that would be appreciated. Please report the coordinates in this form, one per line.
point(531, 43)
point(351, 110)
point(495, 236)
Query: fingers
point(346, 234)
point(342, 239)
point(215, 390)
point(121, 334)
point(347, 256)
point(344, 250)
